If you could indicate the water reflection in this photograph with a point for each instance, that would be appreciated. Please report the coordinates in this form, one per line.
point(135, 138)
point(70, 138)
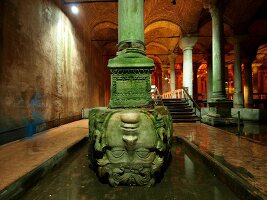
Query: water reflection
point(252, 130)
point(185, 178)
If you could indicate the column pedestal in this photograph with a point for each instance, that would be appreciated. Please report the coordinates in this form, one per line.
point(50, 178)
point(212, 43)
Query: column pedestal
point(219, 113)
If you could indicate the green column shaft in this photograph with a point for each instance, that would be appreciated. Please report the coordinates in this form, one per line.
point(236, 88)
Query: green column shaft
point(131, 21)
point(218, 90)
point(248, 91)
point(209, 78)
point(238, 97)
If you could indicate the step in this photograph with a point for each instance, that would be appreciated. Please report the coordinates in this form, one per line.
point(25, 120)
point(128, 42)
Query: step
point(182, 113)
point(181, 109)
point(183, 116)
point(173, 99)
point(185, 120)
point(175, 104)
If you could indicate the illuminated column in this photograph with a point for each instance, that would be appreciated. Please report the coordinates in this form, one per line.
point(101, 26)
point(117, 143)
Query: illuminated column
point(255, 72)
point(165, 78)
point(209, 77)
point(238, 96)
point(187, 43)
point(218, 69)
point(160, 82)
point(195, 82)
point(248, 91)
point(172, 59)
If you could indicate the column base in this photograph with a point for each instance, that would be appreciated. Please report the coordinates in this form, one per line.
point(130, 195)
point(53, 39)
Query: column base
point(218, 121)
point(218, 96)
point(129, 146)
point(238, 100)
point(219, 113)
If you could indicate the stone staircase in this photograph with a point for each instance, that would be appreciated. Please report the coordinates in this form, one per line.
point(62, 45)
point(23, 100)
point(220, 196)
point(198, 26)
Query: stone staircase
point(180, 110)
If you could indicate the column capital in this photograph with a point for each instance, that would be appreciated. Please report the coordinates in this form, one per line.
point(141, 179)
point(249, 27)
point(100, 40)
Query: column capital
point(187, 42)
point(215, 7)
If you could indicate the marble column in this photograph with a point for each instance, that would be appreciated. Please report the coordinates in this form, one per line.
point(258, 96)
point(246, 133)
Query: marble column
point(195, 82)
point(209, 77)
point(165, 78)
point(187, 43)
point(172, 59)
point(132, 121)
point(218, 69)
point(248, 89)
point(238, 96)
point(126, 89)
point(160, 82)
point(255, 71)
point(131, 24)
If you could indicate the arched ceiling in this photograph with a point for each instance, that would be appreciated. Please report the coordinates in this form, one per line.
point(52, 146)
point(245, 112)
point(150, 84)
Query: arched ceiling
point(165, 23)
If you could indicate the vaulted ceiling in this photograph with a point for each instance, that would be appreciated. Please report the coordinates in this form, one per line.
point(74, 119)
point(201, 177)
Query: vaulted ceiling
point(166, 23)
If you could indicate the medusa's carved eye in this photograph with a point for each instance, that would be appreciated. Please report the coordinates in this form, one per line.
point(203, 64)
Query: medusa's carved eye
point(117, 152)
point(143, 153)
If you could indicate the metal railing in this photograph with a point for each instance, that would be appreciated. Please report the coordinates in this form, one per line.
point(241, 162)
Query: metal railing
point(156, 96)
point(175, 94)
point(193, 102)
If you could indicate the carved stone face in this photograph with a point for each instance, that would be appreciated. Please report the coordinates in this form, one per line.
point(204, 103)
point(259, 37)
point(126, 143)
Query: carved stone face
point(130, 145)
point(131, 138)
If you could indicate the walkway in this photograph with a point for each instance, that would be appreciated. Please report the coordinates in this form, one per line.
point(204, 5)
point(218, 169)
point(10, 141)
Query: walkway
point(21, 157)
point(245, 158)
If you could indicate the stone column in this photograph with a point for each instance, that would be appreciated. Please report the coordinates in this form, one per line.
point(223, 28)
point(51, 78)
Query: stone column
point(255, 71)
point(132, 121)
point(195, 82)
point(248, 90)
point(160, 81)
point(172, 59)
point(218, 69)
point(165, 78)
point(131, 24)
point(238, 96)
point(128, 90)
point(219, 107)
point(187, 43)
point(209, 77)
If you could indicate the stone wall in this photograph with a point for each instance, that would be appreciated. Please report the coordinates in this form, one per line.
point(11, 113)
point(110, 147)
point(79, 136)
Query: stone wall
point(48, 68)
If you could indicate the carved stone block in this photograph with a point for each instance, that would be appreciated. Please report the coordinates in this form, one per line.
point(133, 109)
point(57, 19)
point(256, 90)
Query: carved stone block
point(129, 146)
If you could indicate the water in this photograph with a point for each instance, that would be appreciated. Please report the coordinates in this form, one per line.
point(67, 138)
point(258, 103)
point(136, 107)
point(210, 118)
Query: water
point(252, 130)
point(186, 178)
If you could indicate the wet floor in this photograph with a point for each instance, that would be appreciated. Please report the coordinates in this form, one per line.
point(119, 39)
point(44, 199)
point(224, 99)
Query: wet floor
point(252, 130)
point(186, 178)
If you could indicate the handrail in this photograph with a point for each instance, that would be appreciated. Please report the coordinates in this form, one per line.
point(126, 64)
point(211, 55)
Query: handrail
point(156, 96)
point(175, 94)
point(191, 99)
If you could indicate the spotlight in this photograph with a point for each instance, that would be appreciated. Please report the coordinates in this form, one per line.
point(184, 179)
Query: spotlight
point(74, 10)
